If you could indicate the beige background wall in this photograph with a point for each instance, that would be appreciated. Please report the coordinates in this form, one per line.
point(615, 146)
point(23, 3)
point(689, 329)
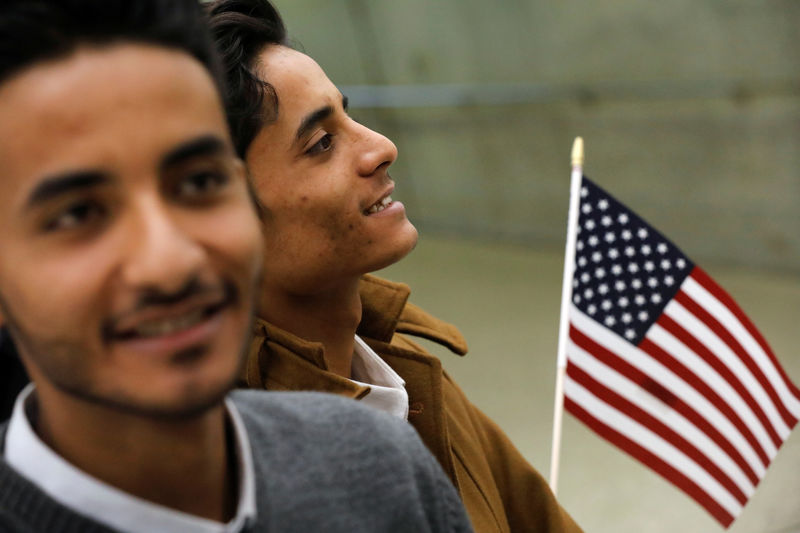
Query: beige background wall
point(690, 111)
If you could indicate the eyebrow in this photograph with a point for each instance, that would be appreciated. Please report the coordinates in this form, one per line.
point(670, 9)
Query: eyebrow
point(54, 186)
point(315, 117)
point(205, 145)
point(311, 120)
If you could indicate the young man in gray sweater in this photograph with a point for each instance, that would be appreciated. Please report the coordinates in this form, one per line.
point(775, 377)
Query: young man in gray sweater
point(130, 248)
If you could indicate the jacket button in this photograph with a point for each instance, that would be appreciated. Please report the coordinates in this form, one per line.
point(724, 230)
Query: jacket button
point(415, 408)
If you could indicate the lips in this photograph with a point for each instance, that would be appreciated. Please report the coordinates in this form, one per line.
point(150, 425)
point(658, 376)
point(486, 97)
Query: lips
point(380, 205)
point(382, 202)
point(161, 321)
point(167, 326)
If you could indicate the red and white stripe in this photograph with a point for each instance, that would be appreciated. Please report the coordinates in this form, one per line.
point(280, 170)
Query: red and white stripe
point(701, 400)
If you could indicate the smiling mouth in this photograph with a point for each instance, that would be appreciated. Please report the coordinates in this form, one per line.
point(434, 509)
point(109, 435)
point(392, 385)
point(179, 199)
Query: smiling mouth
point(380, 205)
point(157, 328)
point(169, 324)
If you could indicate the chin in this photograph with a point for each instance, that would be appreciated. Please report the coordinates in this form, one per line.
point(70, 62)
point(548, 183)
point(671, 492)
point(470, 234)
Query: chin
point(195, 382)
point(191, 405)
point(189, 401)
point(403, 245)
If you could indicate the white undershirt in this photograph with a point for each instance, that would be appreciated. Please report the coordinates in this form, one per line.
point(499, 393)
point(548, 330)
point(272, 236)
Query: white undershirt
point(80, 492)
point(387, 389)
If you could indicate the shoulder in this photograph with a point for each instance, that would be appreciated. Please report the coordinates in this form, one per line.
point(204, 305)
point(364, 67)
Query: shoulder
point(310, 435)
point(417, 322)
point(10, 524)
point(331, 464)
point(317, 414)
point(297, 405)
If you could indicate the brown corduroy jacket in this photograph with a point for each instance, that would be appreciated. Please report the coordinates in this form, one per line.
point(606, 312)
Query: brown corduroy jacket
point(500, 490)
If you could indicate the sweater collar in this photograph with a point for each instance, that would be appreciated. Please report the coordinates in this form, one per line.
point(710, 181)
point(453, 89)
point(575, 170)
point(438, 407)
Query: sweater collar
point(83, 494)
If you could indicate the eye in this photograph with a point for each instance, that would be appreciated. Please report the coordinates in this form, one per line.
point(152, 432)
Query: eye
point(201, 184)
point(323, 145)
point(76, 215)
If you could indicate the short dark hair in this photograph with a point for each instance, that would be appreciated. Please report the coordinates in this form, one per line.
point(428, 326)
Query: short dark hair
point(32, 31)
point(242, 29)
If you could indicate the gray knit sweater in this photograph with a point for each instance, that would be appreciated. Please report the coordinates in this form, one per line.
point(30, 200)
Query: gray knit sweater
point(322, 464)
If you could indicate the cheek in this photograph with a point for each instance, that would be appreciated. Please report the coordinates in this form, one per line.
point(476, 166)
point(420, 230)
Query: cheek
point(320, 227)
point(307, 216)
point(342, 228)
point(235, 234)
point(57, 290)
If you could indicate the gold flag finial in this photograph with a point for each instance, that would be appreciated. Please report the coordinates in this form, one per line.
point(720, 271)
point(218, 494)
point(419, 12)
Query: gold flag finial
point(577, 152)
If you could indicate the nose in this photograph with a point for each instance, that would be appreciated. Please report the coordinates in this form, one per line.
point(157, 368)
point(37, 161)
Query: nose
point(163, 255)
point(376, 151)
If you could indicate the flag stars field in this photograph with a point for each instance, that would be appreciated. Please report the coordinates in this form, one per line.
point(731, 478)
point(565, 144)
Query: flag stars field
point(605, 265)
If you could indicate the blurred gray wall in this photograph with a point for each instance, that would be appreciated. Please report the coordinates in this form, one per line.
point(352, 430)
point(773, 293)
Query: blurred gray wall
point(690, 111)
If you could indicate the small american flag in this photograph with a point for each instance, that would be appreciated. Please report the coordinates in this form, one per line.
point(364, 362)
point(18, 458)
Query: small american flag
point(664, 364)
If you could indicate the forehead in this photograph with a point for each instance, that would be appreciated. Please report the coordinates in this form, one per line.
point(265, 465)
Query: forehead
point(300, 83)
point(116, 108)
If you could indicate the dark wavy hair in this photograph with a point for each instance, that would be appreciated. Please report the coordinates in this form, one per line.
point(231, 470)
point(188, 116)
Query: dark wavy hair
point(242, 29)
point(32, 31)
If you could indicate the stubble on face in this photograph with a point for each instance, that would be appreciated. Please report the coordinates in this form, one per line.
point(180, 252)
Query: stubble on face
point(58, 362)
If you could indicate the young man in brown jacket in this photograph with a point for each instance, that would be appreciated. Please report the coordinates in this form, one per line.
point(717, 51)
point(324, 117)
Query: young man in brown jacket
point(324, 190)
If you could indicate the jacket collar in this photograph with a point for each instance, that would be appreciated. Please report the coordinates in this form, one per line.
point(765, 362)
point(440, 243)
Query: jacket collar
point(386, 311)
point(278, 360)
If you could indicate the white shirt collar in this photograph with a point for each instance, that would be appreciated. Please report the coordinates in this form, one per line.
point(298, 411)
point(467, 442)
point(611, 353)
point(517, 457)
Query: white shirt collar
point(73, 488)
point(387, 389)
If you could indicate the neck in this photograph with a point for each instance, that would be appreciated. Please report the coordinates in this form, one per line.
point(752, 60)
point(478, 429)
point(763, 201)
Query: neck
point(330, 317)
point(182, 464)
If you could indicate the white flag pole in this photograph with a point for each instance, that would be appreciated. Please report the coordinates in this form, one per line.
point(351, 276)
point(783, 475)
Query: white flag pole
point(566, 296)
